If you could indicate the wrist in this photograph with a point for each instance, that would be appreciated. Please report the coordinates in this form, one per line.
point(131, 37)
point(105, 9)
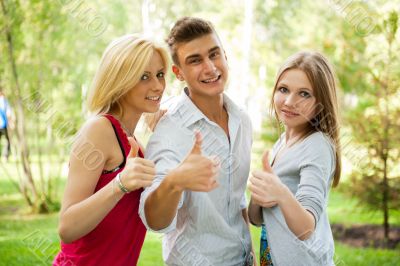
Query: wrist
point(117, 193)
point(284, 194)
point(120, 185)
point(172, 182)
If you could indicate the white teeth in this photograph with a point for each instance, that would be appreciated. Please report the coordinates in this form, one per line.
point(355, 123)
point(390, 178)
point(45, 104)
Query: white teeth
point(153, 98)
point(211, 80)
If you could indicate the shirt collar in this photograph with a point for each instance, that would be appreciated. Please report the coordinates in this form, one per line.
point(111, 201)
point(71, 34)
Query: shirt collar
point(190, 114)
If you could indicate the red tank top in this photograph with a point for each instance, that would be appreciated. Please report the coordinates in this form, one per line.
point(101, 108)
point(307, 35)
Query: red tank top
point(118, 238)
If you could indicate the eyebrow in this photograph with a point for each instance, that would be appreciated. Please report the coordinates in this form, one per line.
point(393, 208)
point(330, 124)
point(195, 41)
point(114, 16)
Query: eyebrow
point(149, 72)
point(193, 56)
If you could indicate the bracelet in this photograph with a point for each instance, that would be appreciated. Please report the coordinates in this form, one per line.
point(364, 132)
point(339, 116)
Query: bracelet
point(121, 186)
point(113, 190)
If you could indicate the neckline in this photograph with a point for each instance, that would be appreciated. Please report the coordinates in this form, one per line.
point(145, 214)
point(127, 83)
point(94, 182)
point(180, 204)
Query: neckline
point(282, 144)
point(118, 125)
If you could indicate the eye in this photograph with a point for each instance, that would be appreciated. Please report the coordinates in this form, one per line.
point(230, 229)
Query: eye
point(144, 77)
point(214, 54)
point(160, 75)
point(195, 61)
point(305, 94)
point(283, 90)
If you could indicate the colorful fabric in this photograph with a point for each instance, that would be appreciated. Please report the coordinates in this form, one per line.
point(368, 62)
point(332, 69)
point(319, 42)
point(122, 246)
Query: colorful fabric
point(265, 250)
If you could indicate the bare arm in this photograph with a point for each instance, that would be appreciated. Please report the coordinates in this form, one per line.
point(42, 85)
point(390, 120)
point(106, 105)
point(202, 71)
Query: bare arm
point(82, 209)
point(255, 213)
point(246, 219)
point(300, 221)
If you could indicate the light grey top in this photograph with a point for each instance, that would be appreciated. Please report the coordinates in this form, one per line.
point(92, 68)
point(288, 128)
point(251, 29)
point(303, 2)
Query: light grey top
point(307, 168)
point(209, 228)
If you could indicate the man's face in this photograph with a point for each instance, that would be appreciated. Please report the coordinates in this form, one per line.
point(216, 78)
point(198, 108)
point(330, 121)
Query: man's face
point(203, 65)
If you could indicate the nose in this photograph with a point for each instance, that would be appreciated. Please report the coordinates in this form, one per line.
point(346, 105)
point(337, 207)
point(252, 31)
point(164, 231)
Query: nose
point(159, 85)
point(209, 65)
point(291, 100)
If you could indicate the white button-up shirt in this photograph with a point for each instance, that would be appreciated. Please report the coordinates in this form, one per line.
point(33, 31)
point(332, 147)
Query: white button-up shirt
point(209, 228)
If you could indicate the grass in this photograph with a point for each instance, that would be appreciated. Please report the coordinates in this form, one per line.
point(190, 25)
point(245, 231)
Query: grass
point(348, 211)
point(27, 239)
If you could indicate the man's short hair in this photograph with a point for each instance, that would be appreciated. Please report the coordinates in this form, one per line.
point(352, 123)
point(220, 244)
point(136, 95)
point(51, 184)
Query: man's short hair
point(185, 30)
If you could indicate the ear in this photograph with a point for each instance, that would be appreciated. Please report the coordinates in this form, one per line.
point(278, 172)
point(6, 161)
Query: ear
point(176, 71)
point(226, 58)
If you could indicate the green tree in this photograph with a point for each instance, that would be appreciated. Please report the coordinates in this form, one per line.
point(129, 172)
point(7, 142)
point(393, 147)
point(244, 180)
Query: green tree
point(375, 122)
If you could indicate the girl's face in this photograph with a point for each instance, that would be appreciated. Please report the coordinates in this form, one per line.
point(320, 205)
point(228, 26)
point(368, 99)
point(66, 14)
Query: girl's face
point(146, 95)
point(294, 99)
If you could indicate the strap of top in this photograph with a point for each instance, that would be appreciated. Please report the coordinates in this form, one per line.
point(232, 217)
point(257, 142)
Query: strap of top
point(122, 141)
point(119, 133)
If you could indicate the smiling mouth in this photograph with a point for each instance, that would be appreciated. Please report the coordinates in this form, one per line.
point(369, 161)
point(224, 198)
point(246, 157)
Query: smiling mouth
point(153, 98)
point(288, 113)
point(212, 79)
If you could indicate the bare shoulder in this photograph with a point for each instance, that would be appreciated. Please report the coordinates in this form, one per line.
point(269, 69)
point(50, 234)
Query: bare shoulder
point(95, 134)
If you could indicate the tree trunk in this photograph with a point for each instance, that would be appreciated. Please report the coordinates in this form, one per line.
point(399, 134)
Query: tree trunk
point(23, 151)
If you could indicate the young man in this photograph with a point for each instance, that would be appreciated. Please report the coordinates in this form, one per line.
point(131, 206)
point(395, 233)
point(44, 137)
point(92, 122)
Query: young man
point(204, 214)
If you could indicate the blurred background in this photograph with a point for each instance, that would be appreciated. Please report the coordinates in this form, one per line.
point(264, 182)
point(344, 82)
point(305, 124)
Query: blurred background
point(49, 51)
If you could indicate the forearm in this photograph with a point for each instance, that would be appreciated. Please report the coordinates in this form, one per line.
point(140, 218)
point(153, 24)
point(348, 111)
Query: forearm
point(300, 221)
point(81, 218)
point(246, 218)
point(255, 213)
point(161, 205)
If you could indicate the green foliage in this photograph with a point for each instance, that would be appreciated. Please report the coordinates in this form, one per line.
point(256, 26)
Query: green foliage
point(374, 121)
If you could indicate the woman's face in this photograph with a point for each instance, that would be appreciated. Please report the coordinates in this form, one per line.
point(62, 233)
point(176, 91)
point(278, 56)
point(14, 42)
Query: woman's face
point(145, 97)
point(294, 99)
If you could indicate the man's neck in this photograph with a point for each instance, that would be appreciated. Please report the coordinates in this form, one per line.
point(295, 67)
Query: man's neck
point(213, 108)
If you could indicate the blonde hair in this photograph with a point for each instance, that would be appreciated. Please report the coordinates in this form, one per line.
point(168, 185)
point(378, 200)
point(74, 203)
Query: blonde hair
point(121, 68)
point(322, 78)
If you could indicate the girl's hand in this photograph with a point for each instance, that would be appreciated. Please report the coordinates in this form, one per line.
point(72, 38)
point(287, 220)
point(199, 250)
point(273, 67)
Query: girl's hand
point(138, 172)
point(151, 120)
point(266, 188)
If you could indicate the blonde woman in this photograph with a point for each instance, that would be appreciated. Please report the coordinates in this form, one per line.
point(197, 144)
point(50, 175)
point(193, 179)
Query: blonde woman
point(99, 221)
point(289, 196)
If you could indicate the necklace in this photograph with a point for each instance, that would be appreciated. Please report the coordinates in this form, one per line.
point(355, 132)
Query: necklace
point(130, 134)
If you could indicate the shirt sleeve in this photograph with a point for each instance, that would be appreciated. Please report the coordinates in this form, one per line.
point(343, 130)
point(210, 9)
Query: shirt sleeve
point(165, 158)
point(243, 202)
point(317, 166)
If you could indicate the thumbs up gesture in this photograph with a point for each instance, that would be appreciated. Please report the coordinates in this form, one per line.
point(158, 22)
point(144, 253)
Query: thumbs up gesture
point(138, 172)
point(265, 187)
point(196, 172)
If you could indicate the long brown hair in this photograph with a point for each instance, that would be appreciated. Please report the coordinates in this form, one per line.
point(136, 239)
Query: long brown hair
point(322, 78)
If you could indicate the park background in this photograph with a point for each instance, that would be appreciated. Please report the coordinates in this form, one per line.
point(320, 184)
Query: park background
point(49, 51)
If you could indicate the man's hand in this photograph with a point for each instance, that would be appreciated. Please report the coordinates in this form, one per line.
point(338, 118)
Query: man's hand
point(196, 172)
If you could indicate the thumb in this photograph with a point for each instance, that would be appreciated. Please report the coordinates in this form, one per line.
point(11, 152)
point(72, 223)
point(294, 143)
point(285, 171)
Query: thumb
point(134, 148)
point(265, 162)
point(197, 144)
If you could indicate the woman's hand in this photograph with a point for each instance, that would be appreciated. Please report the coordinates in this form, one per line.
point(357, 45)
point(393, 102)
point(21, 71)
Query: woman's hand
point(138, 172)
point(151, 120)
point(266, 188)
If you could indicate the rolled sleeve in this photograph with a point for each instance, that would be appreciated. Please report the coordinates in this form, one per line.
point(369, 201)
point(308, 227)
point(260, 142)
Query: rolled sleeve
point(243, 202)
point(142, 215)
point(316, 171)
point(165, 159)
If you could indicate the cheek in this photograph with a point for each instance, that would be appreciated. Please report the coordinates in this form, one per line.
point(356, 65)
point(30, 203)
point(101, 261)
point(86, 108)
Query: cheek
point(278, 99)
point(308, 109)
